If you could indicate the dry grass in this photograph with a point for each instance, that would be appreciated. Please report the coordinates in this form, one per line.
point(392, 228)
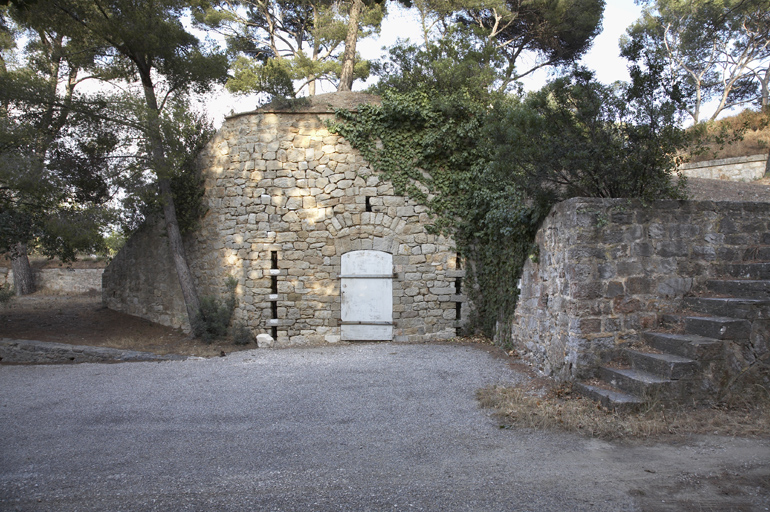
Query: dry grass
point(560, 409)
point(755, 140)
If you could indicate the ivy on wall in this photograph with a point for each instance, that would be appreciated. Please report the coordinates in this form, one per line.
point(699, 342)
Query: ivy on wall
point(433, 149)
point(490, 167)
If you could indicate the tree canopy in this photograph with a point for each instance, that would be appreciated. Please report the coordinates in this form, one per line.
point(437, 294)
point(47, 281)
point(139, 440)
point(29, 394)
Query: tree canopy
point(281, 47)
point(57, 174)
point(717, 50)
point(145, 45)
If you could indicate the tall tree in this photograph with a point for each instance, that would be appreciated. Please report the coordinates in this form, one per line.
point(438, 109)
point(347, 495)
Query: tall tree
point(541, 33)
point(146, 40)
point(719, 50)
point(54, 165)
point(282, 47)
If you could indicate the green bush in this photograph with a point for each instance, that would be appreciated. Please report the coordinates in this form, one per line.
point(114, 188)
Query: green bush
point(241, 334)
point(489, 167)
point(6, 293)
point(214, 314)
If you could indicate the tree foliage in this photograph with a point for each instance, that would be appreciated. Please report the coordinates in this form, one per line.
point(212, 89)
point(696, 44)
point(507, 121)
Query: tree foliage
point(528, 35)
point(146, 46)
point(579, 138)
point(490, 166)
point(277, 44)
point(718, 50)
point(56, 173)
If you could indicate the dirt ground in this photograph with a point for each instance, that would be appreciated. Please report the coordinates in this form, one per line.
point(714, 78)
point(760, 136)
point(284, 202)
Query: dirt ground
point(82, 320)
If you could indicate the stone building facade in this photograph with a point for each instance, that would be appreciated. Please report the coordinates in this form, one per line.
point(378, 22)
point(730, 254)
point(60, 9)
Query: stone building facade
point(321, 248)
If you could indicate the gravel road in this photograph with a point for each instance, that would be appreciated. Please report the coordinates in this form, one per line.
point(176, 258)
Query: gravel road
point(353, 427)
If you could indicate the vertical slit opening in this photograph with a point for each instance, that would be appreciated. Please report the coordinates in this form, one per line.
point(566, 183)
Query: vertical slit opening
point(274, 332)
point(459, 285)
point(274, 285)
point(274, 309)
point(458, 262)
point(368, 204)
point(274, 259)
point(458, 310)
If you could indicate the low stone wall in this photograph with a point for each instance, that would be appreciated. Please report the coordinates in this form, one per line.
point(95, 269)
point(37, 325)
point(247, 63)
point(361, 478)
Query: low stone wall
point(141, 280)
point(41, 352)
point(61, 281)
point(607, 268)
point(742, 168)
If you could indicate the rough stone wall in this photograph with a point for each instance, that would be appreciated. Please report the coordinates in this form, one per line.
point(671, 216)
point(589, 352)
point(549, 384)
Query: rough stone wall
point(608, 267)
point(141, 279)
point(286, 200)
point(742, 168)
point(61, 280)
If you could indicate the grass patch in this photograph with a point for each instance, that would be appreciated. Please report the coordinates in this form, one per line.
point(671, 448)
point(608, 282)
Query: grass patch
point(560, 409)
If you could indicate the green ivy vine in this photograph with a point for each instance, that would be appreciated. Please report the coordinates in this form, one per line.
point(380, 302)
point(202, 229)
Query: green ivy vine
point(434, 149)
point(490, 167)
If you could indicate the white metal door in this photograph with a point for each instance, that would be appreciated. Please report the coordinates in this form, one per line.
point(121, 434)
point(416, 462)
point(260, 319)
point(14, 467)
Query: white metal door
point(367, 296)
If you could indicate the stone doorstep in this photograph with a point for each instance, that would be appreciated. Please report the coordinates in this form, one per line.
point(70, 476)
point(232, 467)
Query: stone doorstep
point(691, 346)
point(748, 270)
point(608, 397)
point(718, 327)
point(640, 383)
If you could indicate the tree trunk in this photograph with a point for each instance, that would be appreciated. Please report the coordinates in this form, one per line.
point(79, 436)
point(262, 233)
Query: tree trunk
point(186, 282)
point(349, 57)
point(176, 246)
point(23, 280)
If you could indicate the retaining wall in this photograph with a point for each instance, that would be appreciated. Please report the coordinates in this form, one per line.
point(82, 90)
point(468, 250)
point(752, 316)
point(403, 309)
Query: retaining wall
point(743, 168)
point(607, 268)
point(61, 281)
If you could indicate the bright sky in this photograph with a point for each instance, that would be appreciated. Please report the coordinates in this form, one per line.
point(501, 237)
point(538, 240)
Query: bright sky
point(603, 57)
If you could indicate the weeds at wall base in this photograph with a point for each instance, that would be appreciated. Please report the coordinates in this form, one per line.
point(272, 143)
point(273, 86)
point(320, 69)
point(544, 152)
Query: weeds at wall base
point(215, 315)
point(560, 409)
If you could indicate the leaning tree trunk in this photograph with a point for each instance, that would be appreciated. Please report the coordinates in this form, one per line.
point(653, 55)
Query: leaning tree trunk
point(23, 280)
point(349, 57)
point(189, 292)
point(176, 245)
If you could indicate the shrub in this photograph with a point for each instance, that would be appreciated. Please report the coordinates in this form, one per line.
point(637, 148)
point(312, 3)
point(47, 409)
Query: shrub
point(241, 334)
point(214, 314)
point(6, 293)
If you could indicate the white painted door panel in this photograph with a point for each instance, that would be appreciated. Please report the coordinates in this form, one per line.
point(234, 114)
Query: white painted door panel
point(367, 296)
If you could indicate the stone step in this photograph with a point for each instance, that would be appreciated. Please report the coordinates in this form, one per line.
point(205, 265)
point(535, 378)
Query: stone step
point(671, 321)
point(743, 288)
point(686, 345)
point(749, 270)
point(609, 398)
point(665, 365)
point(750, 309)
point(717, 327)
point(638, 383)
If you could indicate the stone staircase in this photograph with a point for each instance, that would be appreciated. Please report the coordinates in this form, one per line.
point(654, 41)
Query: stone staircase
point(688, 360)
